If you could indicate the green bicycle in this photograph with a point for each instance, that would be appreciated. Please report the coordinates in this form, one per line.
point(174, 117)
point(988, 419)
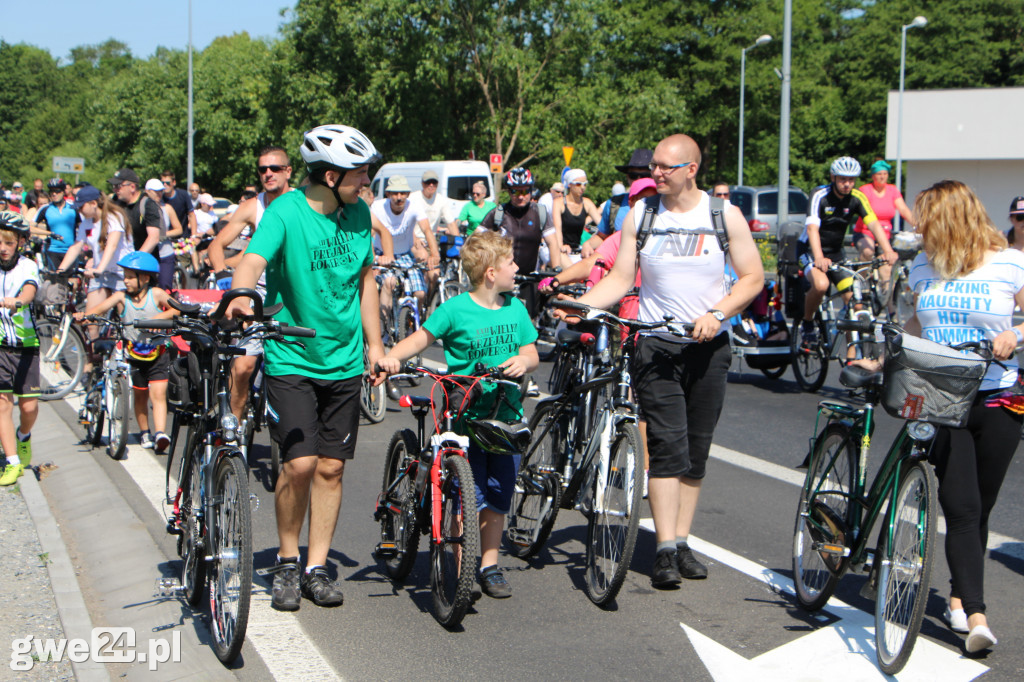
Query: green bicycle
point(927, 385)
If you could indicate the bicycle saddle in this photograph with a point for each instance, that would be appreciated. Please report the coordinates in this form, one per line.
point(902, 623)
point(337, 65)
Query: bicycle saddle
point(854, 376)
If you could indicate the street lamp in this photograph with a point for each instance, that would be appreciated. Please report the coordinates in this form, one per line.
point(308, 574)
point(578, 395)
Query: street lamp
point(918, 22)
point(191, 130)
point(743, 76)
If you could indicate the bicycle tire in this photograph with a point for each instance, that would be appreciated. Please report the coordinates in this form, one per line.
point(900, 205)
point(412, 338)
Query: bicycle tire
point(810, 365)
point(614, 521)
point(67, 369)
point(399, 527)
point(117, 420)
point(538, 489)
point(406, 323)
point(93, 412)
point(453, 560)
point(905, 568)
point(451, 290)
point(373, 400)
point(831, 471)
point(191, 546)
point(179, 279)
point(275, 463)
point(231, 570)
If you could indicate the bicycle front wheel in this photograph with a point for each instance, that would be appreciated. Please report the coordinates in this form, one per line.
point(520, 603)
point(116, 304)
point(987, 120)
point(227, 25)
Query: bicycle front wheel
point(809, 360)
point(538, 489)
point(905, 568)
point(373, 400)
point(823, 516)
point(191, 542)
point(615, 516)
point(117, 421)
point(62, 358)
point(231, 569)
point(453, 555)
point(92, 414)
point(396, 510)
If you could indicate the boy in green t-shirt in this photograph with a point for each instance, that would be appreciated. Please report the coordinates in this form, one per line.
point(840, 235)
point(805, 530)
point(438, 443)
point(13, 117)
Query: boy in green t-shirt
point(491, 326)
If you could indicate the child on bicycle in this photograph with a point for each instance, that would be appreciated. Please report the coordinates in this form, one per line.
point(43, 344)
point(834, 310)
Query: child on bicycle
point(488, 325)
point(19, 347)
point(149, 360)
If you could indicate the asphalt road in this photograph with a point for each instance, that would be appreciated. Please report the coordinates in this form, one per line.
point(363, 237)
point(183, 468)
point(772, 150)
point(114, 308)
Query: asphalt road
point(720, 628)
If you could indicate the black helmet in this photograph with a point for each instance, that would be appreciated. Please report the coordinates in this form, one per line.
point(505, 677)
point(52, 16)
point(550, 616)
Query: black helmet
point(519, 177)
point(56, 185)
point(499, 438)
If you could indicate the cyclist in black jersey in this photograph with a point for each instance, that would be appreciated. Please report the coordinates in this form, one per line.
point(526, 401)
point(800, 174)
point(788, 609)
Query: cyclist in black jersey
point(833, 210)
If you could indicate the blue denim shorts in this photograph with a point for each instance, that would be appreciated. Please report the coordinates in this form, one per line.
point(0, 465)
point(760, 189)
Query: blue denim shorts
point(494, 478)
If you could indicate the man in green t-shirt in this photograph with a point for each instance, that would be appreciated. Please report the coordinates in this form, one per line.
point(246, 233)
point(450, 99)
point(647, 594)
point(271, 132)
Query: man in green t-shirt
point(475, 211)
point(315, 245)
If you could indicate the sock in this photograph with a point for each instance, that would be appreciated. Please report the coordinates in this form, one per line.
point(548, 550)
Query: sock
point(488, 569)
point(309, 569)
point(287, 560)
point(13, 460)
point(681, 541)
point(667, 546)
point(23, 437)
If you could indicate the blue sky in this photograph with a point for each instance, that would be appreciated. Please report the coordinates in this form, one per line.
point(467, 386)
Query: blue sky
point(142, 25)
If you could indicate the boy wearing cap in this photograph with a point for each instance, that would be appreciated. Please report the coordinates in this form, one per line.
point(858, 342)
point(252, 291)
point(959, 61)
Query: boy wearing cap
point(1016, 234)
point(401, 218)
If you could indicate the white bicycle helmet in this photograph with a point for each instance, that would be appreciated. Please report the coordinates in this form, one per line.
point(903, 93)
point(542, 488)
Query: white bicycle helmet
point(846, 167)
point(337, 146)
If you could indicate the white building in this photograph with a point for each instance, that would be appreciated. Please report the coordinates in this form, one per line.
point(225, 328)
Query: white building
point(975, 136)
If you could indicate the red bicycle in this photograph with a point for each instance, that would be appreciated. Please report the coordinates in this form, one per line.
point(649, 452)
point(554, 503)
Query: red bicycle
point(428, 488)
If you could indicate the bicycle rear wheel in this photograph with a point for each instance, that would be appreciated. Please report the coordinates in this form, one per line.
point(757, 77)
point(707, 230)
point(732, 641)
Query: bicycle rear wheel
point(373, 400)
point(809, 361)
point(59, 374)
point(92, 414)
point(905, 568)
point(538, 489)
point(396, 510)
point(823, 515)
point(615, 516)
point(453, 556)
point(231, 568)
point(117, 420)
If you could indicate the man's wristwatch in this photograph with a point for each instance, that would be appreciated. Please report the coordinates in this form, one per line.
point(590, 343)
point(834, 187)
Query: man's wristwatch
point(717, 314)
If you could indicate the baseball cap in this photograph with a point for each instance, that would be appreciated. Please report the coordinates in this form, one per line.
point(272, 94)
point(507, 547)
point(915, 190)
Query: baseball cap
point(16, 185)
point(206, 199)
point(397, 183)
point(155, 185)
point(86, 194)
point(1017, 206)
point(430, 175)
point(125, 175)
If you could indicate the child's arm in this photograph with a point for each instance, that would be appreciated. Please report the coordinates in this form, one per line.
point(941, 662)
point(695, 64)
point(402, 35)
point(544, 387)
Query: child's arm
point(70, 256)
point(103, 306)
point(161, 297)
point(518, 365)
point(24, 297)
point(410, 346)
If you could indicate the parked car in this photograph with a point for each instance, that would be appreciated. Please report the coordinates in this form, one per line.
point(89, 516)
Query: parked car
point(455, 178)
point(760, 206)
point(220, 207)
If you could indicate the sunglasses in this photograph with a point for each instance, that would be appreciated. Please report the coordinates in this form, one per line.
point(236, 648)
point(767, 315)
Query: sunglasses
point(167, 183)
point(430, 182)
point(272, 169)
point(478, 194)
point(578, 184)
point(665, 168)
point(638, 175)
point(1017, 216)
point(722, 194)
point(520, 192)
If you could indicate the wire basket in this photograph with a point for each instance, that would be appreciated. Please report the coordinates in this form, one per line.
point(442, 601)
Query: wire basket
point(927, 381)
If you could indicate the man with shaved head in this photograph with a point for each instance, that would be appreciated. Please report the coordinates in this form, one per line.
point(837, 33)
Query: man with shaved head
point(680, 382)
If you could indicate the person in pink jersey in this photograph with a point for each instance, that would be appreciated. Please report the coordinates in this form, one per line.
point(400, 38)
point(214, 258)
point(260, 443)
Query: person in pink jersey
point(886, 201)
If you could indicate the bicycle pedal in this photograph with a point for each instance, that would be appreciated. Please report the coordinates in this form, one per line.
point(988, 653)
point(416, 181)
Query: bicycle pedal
point(830, 548)
point(169, 587)
point(386, 550)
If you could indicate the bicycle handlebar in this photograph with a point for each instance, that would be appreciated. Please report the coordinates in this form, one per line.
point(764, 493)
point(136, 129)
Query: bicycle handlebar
point(590, 313)
point(154, 324)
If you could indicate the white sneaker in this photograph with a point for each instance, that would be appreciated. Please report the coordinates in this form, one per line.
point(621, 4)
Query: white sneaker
point(146, 440)
point(956, 619)
point(981, 638)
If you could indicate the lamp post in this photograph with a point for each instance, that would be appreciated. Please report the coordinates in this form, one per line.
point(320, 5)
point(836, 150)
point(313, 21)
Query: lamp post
point(787, 45)
point(743, 76)
point(918, 22)
point(191, 132)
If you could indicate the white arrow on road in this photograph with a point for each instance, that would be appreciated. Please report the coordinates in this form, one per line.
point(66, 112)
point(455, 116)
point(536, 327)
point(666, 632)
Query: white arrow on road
point(844, 650)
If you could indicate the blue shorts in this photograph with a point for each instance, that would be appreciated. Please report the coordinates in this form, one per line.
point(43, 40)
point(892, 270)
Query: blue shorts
point(494, 478)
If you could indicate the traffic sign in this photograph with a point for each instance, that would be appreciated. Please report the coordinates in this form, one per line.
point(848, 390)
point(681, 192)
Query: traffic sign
point(567, 153)
point(496, 163)
point(68, 164)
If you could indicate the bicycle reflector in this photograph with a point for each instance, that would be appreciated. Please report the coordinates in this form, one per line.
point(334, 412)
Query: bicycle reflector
point(588, 339)
point(405, 401)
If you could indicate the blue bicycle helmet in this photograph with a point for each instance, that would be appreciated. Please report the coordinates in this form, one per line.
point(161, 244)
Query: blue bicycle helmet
point(141, 261)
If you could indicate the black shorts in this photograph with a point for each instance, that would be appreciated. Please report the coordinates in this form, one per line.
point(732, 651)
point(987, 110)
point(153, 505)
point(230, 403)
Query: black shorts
point(313, 416)
point(19, 371)
point(146, 372)
point(681, 388)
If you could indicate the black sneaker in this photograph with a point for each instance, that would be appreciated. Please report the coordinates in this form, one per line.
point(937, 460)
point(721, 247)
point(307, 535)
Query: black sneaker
point(665, 573)
point(689, 567)
point(285, 591)
point(809, 334)
point(493, 583)
point(318, 587)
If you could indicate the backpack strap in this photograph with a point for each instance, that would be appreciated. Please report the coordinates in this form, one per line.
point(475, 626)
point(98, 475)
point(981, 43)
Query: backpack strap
point(499, 217)
point(651, 206)
point(717, 207)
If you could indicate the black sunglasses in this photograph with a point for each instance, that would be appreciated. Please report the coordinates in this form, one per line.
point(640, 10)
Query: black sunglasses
point(272, 169)
point(637, 176)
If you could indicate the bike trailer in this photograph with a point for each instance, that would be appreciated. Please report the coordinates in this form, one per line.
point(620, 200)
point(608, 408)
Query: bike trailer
point(760, 333)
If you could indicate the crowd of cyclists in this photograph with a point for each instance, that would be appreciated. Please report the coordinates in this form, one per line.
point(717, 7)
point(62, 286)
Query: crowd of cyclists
point(660, 249)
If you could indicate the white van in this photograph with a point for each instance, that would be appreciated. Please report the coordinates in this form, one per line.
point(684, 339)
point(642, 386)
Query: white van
point(455, 178)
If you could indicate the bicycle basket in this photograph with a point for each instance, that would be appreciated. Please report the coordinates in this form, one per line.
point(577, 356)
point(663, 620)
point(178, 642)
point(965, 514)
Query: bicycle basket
point(906, 244)
point(927, 381)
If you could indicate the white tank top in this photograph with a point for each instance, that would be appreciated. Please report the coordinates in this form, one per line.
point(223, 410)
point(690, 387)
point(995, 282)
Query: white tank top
point(682, 266)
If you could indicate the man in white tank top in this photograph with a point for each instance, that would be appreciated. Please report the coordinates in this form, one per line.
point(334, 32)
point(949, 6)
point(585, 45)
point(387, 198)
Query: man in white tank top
point(680, 383)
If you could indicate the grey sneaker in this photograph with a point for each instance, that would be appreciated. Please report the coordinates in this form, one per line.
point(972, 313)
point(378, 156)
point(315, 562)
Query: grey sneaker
point(318, 587)
point(493, 583)
point(146, 440)
point(285, 592)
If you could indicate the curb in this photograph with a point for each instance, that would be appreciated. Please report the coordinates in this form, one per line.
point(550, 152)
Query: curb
point(74, 616)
